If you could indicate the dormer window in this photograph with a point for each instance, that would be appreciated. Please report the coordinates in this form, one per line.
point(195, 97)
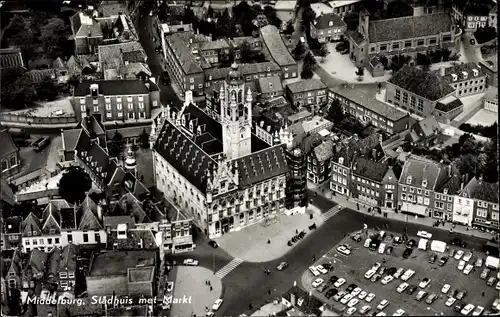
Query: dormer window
point(408, 180)
point(445, 191)
point(454, 77)
point(341, 160)
point(476, 72)
point(330, 23)
point(465, 75)
point(424, 183)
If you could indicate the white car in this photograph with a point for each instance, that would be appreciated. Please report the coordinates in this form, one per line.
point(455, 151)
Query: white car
point(317, 282)
point(364, 309)
point(362, 295)
point(353, 302)
point(356, 291)
point(459, 254)
point(376, 266)
point(408, 274)
point(369, 297)
point(343, 250)
point(398, 272)
point(381, 314)
point(383, 304)
point(381, 248)
point(367, 243)
point(387, 279)
point(479, 262)
point(399, 312)
point(370, 273)
point(190, 262)
point(468, 269)
point(402, 287)
point(424, 234)
point(450, 301)
point(346, 299)
point(210, 313)
point(321, 269)
point(339, 282)
point(425, 282)
point(314, 271)
point(497, 287)
point(461, 265)
point(350, 311)
point(445, 289)
point(478, 311)
point(467, 256)
point(467, 309)
point(217, 304)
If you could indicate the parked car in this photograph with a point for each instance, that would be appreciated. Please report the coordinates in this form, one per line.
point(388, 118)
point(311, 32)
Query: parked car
point(442, 261)
point(420, 295)
point(376, 266)
point(356, 237)
point(391, 271)
point(328, 266)
point(467, 309)
point(333, 279)
point(467, 256)
point(450, 301)
point(339, 282)
point(425, 282)
point(350, 311)
point(322, 287)
point(350, 288)
point(370, 273)
point(458, 308)
point(398, 272)
point(397, 240)
point(339, 296)
point(282, 266)
point(451, 253)
point(445, 289)
point(407, 252)
point(356, 291)
point(317, 282)
point(388, 251)
point(40, 144)
point(491, 281)
point(432, 258)
point(411, 289)
point(411, 244)
point(217, 304)
point(402, 287)
point(387, 279)
point(367, 243)
point(383, 304)
point(479, 262)
point(472, 42)
point(407, 275)
point(190, 262)
point(346, 299)
point(485, 273)
point(399, 312)
point(461, 295)
point(362, 295)
point(424, 234)
point(431, 298)
point(381, 248)
point(461, 265)
point(497, 287)
point(459, 254)
point(213, 244)
point(458, 242)
point(369, 297)
point(343, 250)
point(382, 270)
point(478, 311)
point(375, 278)
point(353, 302)
point(381, 313)
point(364, 309)
point(314, 271)
point(468, 269)
point(321, 269)
point(331, 292)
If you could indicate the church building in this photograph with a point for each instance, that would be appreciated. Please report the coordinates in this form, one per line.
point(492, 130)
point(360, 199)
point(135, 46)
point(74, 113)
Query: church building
point(212, 170)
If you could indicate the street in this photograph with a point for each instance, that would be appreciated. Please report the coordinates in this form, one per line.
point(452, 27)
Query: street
point(248, 284)
point(472, 52)
point(145, 31)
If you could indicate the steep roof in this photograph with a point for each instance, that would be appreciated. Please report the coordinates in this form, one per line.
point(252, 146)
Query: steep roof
point(484, 191)
point(275, 45)
point(306, 85)
point(245, 69)
point(420, 169)
point(262, 165)
point(70, 139)
point(458, 70)
point(328, 20)
point(448, 103)
point(7, 145)
point(449, 179)
point(369, 169)
point(270, 84)
point(369, 102)
point(86, 215)
point(428, 85)
point(429, 126)
point(324, 151)
point(113, 87)
point(184, 55)
point(409, 27)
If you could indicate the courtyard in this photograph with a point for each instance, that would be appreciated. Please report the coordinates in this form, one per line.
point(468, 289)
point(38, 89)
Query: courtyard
point(483, 117)
point(354, 266)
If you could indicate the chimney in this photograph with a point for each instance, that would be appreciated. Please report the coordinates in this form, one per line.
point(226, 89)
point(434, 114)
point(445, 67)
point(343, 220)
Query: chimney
point(442, 71)
point(99, 211)
point(449, 170)
point(292, 299)
point(374, 154)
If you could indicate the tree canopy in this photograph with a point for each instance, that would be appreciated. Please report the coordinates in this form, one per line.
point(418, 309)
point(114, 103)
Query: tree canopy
point(299, 50)
point(74, 184)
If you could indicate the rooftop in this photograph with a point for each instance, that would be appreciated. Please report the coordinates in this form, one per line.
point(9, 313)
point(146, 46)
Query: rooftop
point(328, 20)
point(428, 85)
point(285, 5)
point(45, 184)
point(7, 145)
point(459, 69)
point(275, 45)
point(314, 122)
point(112, 263)
point(306, 85)
point(324, 151)
point(114, 87)
point(417, 169)
point(270, 84)
point(184, 55)
point(448, 103)
point(370, 169)
point(142, 274)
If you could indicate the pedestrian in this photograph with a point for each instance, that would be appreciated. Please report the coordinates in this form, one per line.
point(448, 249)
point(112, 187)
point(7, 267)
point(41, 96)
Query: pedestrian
point(483, 294)
point(269, 291)
point(206, 308)
point(209, 284)
point(268, 241)
point(211, 288)
point(467, 228)
point(296, 231)
point(206, 282)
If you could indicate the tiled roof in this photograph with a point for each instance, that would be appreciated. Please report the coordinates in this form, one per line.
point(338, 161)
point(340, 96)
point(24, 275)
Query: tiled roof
point(420, 169)
point(285, 5)
point(275, 45)
point(113, 87)
point(428, 85)
point(323, 21)
point(449, 179)
point(214, 45)
point(429, 126)
point(122, 260)
point(68, 218)
point(409, 27)
point(12, 225)
point(134, 238)
point(133, 69)
point(184, 55)
point(52, 268)
point(68, 257)
point(184, 155)
point(134, 208)
point(95, 154)
point(245, 70)
point(486, 192)
point(324, 151)
point(458, 70)
point(113, 221)
point(7, 145)
point(262, 165)
point(91, 125)
point(310, 141)
point(306, 85)
point(70, 139)
point(86, 215)
point(270, 84)
point(368, 102)
point(31, 222)
point(59, 64)
point(210, 135)
point(52, 215)
point(370, 169)
point(355, 36)
point(37, 260)
point(115, 55)
point(449, 103)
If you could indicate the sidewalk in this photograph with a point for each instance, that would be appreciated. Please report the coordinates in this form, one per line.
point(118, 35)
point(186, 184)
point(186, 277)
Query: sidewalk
point(426, 221)
point(269, 309)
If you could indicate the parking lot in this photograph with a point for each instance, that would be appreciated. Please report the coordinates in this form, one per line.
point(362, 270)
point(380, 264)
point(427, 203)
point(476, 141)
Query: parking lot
point(353, 267)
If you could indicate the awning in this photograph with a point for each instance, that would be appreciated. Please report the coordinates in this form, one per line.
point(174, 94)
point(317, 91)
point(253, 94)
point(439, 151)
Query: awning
point(414, 209)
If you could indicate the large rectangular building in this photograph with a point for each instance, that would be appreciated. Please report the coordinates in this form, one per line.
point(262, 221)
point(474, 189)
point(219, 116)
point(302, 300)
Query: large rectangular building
point(278, 51)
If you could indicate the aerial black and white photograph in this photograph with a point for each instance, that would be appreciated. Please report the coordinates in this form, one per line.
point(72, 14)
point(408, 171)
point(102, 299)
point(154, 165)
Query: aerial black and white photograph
point(183, 158)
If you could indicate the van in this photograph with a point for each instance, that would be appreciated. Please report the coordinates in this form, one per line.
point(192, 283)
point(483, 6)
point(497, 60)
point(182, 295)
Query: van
point(381, 248)
point(18, 133)
point(40, 144)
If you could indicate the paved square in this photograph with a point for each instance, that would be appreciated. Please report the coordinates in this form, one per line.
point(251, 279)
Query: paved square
point(353, 268)
point(484, 117)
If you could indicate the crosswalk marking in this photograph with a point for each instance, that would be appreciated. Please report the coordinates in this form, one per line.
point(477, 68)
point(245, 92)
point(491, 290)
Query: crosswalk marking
point(229, 267)
point(330, 213)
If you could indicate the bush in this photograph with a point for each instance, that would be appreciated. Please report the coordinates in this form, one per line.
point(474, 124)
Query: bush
point(485, 34)
point(487, 131)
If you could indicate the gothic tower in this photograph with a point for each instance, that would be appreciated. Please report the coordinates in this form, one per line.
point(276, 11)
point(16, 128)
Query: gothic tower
point(236, 115)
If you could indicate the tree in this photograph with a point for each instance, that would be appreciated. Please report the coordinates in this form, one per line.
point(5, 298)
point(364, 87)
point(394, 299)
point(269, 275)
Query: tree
point(310, 60)
point(352, 20)
point(272, 17)
point(290, 28)
point(398, 9)
point(385, 61)
point(398, 61)
point(307, 72)
point(360, 72)
point(46, 90)
point(308, 16)
point(335, 112)
point(188, 17)
point(210, 11)
point(17, 89)
point(54, 36)
point(490, 170)
point(223, 25)
point(74, 184)
point(144, 138)
point(115, 147)
point(299, 50)
point(323, 52)
point(246, 52)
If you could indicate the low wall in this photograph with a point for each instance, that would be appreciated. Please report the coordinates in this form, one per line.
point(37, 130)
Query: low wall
point(13, 118)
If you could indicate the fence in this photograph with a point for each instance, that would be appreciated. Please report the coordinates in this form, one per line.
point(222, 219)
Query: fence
point(4, 117)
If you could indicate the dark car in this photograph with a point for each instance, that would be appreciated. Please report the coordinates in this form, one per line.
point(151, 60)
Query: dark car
point(458, 242)
point(442, 261)
point(451, 253)
point(459, 307)
point(388, 251)
point(213, 244)
point(357, 237)
point(328, 266)
point(431, 298)
point(351, 288)
point(411, 244)
point(331, 292)
point(282, 266)
point(382, 270)
point(411, 289)
point(432, 258)
point(407, 253)
point(333, 279)
point(472, 42)
point(461, 295)
point(40, 144)
point(391, 271)
point(454, 293)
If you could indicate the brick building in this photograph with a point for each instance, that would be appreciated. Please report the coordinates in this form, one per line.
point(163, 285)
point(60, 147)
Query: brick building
point(306, 92)
point(328, 27)
point(278, 51)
